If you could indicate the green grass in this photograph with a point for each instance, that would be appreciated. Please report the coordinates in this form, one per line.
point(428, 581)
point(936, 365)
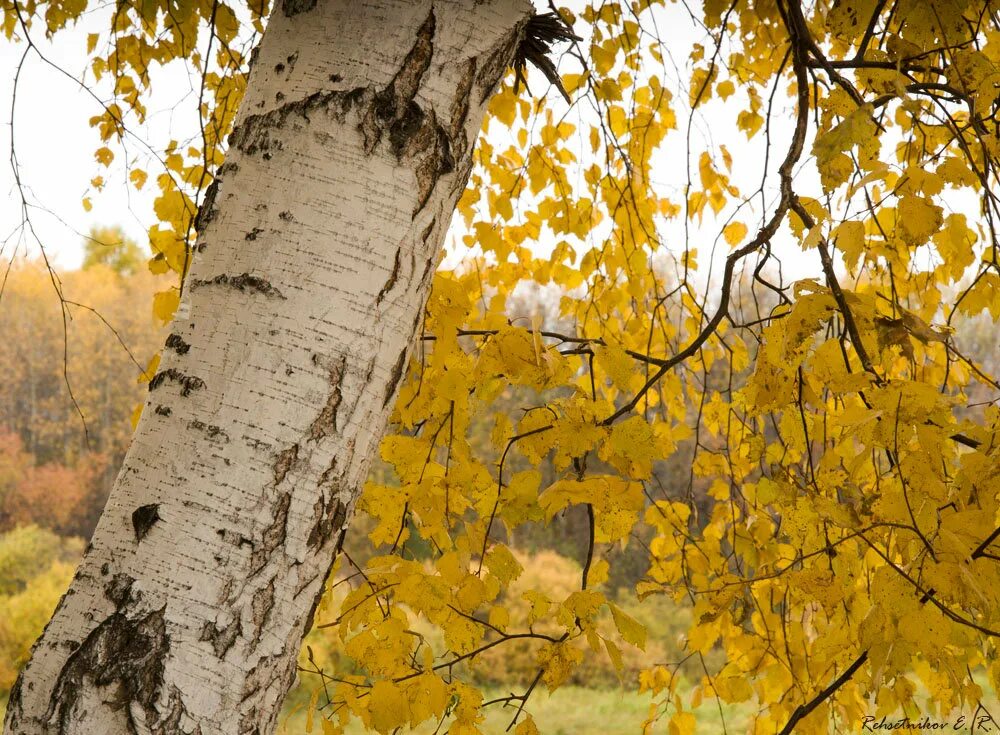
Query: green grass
point(579, 711)
point(569, 711)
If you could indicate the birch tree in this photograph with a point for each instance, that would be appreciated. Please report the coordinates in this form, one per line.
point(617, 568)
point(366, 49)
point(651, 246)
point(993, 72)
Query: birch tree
point(315, 253)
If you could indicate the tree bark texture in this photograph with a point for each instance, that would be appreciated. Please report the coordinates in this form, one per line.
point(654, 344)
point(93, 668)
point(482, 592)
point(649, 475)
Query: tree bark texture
point(316, 250)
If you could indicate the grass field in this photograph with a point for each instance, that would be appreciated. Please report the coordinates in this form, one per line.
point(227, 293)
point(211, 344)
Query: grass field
point(579, 711)
point(570, 711)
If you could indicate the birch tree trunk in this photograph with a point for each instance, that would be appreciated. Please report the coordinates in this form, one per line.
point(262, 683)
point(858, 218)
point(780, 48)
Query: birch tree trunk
point(313, 264)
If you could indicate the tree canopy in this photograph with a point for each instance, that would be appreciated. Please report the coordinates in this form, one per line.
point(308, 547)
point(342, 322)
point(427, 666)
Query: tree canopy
point(843, 438)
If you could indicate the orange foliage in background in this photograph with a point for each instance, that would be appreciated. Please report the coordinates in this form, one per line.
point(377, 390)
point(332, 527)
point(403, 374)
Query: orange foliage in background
point(70, 364)
point(65, 499)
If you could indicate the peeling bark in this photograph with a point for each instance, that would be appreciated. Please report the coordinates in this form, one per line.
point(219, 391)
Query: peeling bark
point(349, 154)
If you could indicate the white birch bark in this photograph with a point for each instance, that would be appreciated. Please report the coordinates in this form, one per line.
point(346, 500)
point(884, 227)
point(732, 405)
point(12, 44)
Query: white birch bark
point(312, 268)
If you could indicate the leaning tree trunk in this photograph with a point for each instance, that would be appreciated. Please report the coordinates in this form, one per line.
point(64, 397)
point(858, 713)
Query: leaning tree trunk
point(311, 271)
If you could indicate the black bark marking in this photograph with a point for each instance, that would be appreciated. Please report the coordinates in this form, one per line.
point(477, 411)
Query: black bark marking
point(326, 422)
point(273, 536)
point(428, 230)
point(252, 235)
point(124, 657)
point(143, 519)
point(329, 513)
point(394, 108)
point(284, 463)
point(294, 7)
point(188, 383)
point(118, 589)
point(222, 639)
point(460, 105)
point(14, 708)
point(329, 518)
point(243, 282)
point(176, 343)
point(210, 430)
point(413, 133)
point(463, 172)
point(330, 475)
point(393, 277)
point(260, 609)
point(257, 134)
point(163, 411)
point(433, 142)
point(397, 374)
point(206, 212)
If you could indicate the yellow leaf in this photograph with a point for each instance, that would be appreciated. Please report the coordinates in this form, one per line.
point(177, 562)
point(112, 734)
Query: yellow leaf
point(613, 360)
point(165, 304)
point(682, 723)
point(226, 24)
point(502, 564)
point(615, 654)
point(136, 415)
point(428, 697)
point(151, 368)
point(503, 106)
point(849, 237)
point(701, 85)
point(389, 707)
point(734, 233)
point(749, 122)
point(158, 264)
point(631, 630)
point(918, 218)
point(104, 155)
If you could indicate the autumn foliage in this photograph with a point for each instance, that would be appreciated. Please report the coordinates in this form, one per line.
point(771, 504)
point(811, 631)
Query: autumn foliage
point(69, 387)
point(834, 536)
